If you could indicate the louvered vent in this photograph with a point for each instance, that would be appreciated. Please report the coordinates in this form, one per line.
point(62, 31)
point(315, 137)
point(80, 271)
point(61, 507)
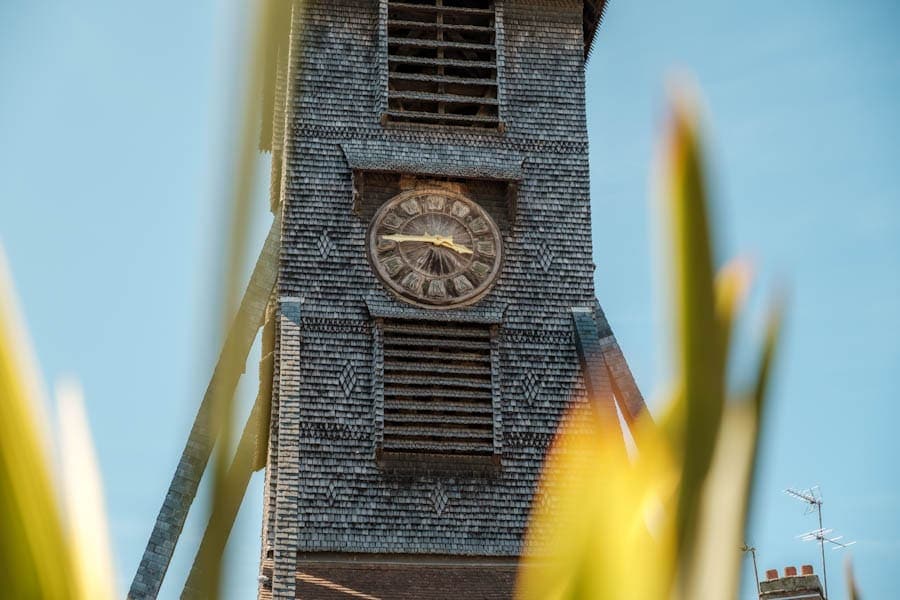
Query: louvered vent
point(442, 63)
point(437, 388)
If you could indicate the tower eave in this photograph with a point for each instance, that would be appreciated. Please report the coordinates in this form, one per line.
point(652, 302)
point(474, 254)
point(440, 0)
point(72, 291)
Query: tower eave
point(593, 15)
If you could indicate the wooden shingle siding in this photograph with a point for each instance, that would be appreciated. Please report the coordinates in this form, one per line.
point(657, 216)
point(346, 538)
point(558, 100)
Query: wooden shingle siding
point(329, 489)
point(442, 63)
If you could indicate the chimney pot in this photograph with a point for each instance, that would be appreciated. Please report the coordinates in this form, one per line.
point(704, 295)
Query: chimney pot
point(772, 574)
point(790, 571)
point(806, 570)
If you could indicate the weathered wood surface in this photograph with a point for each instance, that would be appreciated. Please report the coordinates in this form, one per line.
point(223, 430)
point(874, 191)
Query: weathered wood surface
point(238, 478)
point(607, 378)
point(194, 457)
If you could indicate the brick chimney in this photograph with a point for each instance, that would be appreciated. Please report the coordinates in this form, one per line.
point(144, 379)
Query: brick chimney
point(806, 585)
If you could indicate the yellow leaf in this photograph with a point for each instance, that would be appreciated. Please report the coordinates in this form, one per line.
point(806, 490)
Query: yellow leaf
point(35, 558)
point(601, 523)
point(85, 508)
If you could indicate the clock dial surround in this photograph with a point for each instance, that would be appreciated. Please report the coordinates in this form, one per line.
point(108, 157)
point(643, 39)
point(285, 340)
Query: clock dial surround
point(435, 248)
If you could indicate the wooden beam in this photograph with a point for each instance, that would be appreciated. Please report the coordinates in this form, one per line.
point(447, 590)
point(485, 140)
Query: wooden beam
point(593, 367)
point(173, 513)
point(237, 480)
point(608, 379)
point(625, 389)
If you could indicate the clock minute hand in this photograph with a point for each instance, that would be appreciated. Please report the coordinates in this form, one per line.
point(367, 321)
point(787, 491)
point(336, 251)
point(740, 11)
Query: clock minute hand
point(399, 237)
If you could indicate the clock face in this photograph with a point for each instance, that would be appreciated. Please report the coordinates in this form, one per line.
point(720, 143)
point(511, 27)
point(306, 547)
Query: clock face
point(435, 248)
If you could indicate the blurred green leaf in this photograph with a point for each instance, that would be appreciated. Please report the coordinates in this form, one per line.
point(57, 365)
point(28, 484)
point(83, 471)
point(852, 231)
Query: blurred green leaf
point(269, 19)
point(728, 488)
point(759, 390)
point(668, 522)
point(699, 335)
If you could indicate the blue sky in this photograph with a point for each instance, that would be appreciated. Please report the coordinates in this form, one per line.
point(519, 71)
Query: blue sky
point(113, 134)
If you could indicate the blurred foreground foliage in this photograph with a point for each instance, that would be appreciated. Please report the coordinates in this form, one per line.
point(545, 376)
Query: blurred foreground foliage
point(53, 539)
point(666, 520)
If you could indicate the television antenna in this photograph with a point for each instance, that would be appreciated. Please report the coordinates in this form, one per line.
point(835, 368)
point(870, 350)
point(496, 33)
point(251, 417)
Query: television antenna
point(752, 550)
point(812, 497)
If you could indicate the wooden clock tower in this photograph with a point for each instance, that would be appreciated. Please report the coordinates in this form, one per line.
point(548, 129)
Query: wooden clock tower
point(434, 312)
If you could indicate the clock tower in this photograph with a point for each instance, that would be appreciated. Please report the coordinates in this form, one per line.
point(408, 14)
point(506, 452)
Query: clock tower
point(428, 296)
point(435, 306)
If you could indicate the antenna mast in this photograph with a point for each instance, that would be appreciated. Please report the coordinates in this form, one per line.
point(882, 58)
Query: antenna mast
point(752, 550)
point(813, 498)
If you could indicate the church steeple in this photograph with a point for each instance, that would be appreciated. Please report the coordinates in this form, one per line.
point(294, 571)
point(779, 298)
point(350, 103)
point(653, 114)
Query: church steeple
point(434, 312)
point(437, 237)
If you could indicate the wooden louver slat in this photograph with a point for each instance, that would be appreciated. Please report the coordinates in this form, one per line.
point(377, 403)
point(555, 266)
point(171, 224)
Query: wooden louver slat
point(438, 63)
point(444, 26)
point(444, 79)
point(445, 44)
point(442, 63)
point(445, 7)
point(437, 388)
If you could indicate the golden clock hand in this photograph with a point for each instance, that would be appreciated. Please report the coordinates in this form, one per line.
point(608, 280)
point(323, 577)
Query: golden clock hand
point(437, 240)
point(399, 237)
point(449, 243)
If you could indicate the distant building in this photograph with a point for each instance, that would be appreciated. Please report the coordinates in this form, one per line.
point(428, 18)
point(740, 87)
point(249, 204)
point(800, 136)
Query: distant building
point(805, 586)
